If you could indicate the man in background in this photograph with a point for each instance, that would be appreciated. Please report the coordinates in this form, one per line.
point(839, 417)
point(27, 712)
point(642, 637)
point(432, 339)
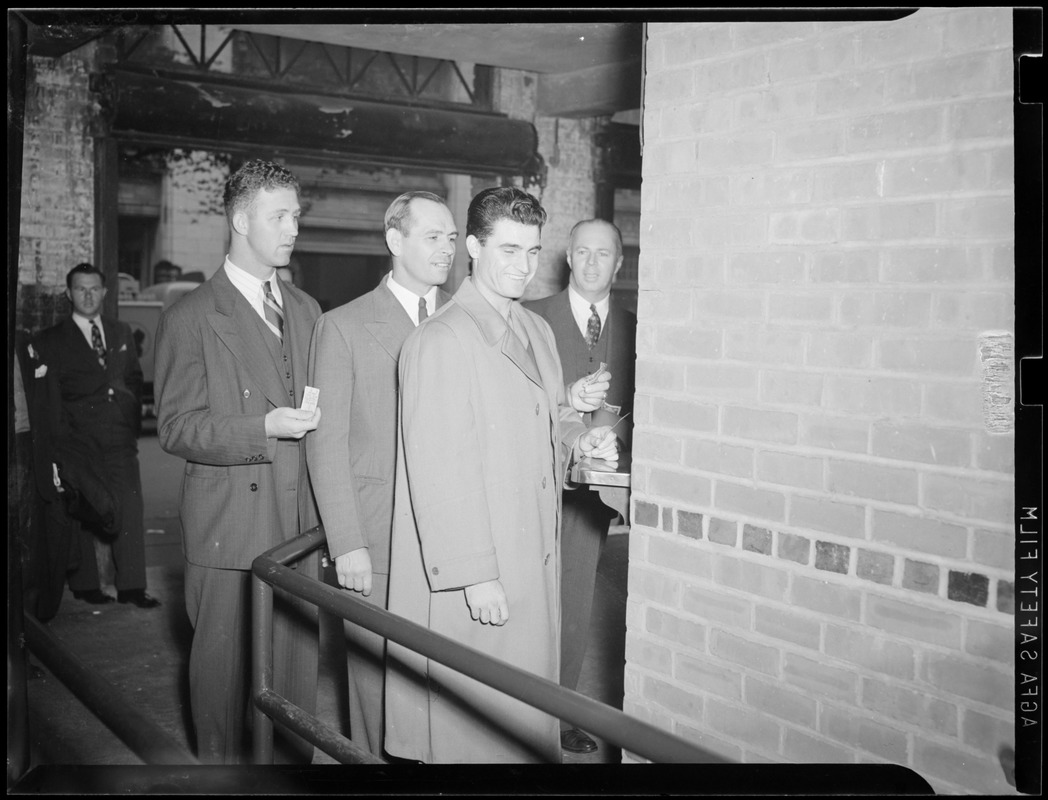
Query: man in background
point(591, 329)
point(352, 456)
point(91, 425)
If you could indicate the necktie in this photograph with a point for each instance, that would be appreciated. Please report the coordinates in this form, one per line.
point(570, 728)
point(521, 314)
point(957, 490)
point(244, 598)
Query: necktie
point(96, 342)
point(273, 313)
point(593, 327)
point(422, 312)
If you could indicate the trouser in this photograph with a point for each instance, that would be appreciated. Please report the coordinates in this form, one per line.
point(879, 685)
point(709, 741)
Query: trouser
point(218, 604)
point(584, 528)
point(129, 547)
point(366, 667)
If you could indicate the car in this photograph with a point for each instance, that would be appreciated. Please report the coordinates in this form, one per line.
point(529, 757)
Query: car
point(143, 315)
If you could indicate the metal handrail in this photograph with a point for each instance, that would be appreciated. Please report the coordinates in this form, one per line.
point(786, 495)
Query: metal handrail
point(269, 570)
point(143, 737)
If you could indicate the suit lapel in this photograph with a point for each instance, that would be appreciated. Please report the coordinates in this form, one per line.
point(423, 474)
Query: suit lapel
point(390, 323)
point(78, 341)
point(238, 327)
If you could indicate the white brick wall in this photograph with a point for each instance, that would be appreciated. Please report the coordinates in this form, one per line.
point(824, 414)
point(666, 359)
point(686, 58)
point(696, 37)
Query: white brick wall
point(821, 543)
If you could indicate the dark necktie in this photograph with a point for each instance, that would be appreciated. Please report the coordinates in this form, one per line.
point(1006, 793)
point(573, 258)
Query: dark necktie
point(593, 327)
point(422, 312)
point(96, 342)
point(273, 313)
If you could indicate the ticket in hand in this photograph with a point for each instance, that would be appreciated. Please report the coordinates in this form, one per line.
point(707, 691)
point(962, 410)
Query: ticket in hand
point(593, 376)
point(309, 399)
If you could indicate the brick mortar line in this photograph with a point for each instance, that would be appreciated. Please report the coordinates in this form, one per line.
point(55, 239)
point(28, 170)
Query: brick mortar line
point(868, 587)
point(875, 546)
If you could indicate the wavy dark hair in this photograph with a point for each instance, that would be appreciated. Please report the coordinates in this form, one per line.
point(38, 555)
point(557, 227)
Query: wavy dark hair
point(504, 202)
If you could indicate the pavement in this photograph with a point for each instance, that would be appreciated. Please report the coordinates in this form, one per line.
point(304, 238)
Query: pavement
point(144, 653)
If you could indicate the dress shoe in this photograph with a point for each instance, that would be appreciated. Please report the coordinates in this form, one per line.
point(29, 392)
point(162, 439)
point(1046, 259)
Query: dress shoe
point(138, 597)
point(575, 741)
point(96, 596)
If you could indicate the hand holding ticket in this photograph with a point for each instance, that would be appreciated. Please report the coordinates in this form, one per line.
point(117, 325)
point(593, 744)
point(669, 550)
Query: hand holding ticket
point(309, 399)
point(588, 392)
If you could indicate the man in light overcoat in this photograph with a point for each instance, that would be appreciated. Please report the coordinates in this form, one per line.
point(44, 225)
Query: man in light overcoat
point(486, 438)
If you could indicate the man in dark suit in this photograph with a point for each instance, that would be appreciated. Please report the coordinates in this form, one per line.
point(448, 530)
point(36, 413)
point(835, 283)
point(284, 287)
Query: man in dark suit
point(352, 456)
point(591, 328)
point(93, 365)
point(231, 361)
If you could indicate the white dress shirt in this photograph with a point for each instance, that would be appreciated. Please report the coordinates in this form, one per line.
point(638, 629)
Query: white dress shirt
point(409, 299)
point(251, 287)
point(84, 324)
point(580, 309)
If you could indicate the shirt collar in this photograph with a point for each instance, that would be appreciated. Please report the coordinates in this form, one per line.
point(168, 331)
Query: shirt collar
point(409, 300)
point(580, 304)
point(248, 284)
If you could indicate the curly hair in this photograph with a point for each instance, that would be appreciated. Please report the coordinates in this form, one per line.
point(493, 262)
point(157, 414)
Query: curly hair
point(255, 176)
point(504, 202)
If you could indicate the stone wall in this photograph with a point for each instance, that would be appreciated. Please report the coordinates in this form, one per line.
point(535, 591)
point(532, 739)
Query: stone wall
point(58, 211)
point(821, 564)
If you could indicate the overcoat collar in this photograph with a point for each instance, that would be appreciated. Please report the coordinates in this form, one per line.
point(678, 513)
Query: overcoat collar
point(496, 330)
point(236, 323)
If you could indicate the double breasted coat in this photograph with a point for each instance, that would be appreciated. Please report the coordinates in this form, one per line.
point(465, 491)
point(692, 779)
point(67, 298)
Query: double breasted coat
point(219, 371)
point(485, 437)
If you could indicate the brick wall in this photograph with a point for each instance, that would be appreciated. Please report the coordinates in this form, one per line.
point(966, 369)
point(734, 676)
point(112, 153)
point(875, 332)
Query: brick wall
point(821, 553)
point(57, 212)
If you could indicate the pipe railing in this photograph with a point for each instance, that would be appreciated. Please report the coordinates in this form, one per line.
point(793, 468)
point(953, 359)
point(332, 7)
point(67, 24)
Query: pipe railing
point(609, 724)
point(143, 737)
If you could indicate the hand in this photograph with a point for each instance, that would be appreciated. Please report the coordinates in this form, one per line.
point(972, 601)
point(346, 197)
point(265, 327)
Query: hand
point(354, 570)
point(487, 603)
point(601, 443)
point(291, 423)
point(589, 391)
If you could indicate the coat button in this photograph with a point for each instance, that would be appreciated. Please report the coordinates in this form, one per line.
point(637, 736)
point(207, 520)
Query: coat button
point(247, 393)
point(254, 487)
point(436, 571)
point(536, 409)
point(543, 483)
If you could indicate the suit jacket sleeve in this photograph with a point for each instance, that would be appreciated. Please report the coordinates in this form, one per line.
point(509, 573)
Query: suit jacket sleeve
point(195, 421)
point(331, 370)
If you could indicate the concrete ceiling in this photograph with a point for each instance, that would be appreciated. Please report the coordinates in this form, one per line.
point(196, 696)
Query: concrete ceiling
point(585, 68)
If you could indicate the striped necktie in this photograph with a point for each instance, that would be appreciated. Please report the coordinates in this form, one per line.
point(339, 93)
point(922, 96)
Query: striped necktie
point(423, 312)
point(274, 315)
point(96, 343)
point(593, 327)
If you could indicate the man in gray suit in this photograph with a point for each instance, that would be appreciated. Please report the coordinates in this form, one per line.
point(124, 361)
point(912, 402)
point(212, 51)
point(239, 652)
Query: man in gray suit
point(230, 370)
point(591, 329)
point(352, 457)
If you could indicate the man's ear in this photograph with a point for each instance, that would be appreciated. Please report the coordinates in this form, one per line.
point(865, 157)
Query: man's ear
point(394, 241)
point(240, 221)
point(618, 266)
point(473, 246)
